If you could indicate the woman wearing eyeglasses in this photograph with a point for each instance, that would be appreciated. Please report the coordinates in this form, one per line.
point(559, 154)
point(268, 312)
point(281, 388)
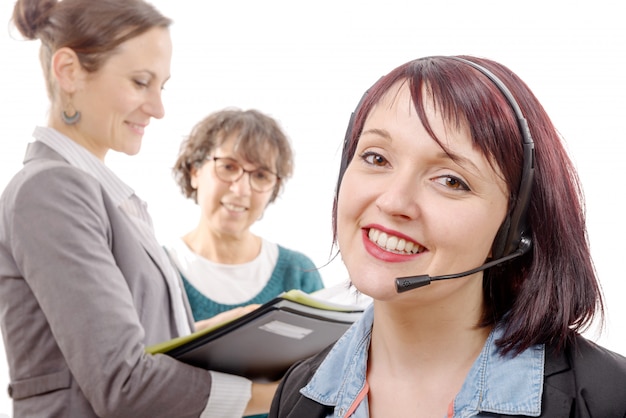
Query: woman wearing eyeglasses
point(233, 165)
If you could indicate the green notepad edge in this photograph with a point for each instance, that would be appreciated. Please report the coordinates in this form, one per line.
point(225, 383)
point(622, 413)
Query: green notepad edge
point(294, 295)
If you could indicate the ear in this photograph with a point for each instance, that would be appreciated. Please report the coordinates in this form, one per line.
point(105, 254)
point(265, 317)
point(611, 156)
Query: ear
point(66, 69)
point(193, 177)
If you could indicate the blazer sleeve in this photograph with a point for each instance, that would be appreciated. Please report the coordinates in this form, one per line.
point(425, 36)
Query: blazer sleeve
point(61, 242)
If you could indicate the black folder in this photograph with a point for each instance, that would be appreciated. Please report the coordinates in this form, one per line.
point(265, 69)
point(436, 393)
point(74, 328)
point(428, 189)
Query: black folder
point(264, 343)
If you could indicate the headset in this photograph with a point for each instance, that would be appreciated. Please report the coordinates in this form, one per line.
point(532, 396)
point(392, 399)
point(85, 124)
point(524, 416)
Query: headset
point(513, 237)
point(513, 234)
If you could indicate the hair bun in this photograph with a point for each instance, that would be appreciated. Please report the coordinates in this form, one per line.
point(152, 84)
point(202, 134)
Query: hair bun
point(30, 16)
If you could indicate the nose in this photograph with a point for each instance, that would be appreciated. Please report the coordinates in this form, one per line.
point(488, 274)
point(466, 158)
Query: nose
point(400, 196)
point(154, 105)
point(241, 186)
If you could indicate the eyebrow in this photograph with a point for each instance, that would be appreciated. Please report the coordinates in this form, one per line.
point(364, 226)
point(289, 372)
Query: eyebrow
point(459, 160)
point(380, 132)
point(463, 162)
point(153, 75)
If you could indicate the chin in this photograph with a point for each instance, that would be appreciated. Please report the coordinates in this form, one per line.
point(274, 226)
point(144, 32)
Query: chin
point(376, 289)
point(134, 150)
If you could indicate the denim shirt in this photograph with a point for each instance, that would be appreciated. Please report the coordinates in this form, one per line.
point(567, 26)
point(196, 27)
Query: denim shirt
point(495, 384)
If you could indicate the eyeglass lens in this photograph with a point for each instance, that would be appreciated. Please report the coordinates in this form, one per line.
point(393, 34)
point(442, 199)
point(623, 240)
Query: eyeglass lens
point(230, 170)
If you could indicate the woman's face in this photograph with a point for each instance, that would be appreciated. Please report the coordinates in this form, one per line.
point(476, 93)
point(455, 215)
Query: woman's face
point(229, 208)
point(118, 101)
point(406, 208)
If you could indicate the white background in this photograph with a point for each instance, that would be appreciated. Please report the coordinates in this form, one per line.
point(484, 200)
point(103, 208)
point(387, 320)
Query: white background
point(307, 64)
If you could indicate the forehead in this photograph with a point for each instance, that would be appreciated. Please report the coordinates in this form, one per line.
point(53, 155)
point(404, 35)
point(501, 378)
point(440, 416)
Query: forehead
point(250, 149)
point(150, 52)
point(396, 110)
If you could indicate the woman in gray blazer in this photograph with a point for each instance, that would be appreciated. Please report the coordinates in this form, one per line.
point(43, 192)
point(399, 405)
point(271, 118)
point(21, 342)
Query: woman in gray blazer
point(84, 285)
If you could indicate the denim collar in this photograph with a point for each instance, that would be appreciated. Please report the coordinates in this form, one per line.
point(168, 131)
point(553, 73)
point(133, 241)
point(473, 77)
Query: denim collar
point(509, 385)
point(496, 384)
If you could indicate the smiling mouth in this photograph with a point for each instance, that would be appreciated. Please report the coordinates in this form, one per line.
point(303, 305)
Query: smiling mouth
point(137, 127)
point(234, 208)
point(393, 243)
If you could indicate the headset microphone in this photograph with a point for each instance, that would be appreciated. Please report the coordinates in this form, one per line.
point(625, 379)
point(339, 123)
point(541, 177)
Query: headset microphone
point(413, 282)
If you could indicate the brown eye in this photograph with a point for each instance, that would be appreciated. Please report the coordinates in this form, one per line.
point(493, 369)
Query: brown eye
point(374, 159)
point(452, 182)
point(230, 166)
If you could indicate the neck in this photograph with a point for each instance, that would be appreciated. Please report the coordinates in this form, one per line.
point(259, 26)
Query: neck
point(73, 133)
point(427, 338)
point(221, 248)
point(419, 361)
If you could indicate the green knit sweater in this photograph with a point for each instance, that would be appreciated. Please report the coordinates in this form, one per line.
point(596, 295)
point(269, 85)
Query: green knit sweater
point(293, 270)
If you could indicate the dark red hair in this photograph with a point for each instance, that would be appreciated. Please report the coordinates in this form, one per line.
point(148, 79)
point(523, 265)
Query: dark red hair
point(552, 291)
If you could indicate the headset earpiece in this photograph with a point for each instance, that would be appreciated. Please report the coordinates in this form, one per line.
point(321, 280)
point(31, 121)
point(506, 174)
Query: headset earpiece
point(500, 242)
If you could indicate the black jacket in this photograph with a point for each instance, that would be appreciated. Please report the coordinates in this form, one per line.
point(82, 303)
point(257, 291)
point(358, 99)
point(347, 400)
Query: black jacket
point(582, 381)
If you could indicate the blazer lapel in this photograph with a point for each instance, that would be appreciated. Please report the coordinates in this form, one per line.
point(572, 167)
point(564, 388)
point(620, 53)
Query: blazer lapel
point(178, 302)
point(559, 386)
point(38, 150)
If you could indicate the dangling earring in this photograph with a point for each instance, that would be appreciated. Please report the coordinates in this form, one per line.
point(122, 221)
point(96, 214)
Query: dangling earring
point(70, 120)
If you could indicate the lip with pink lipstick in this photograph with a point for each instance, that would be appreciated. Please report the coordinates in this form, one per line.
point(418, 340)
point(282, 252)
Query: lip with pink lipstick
point(390, 246)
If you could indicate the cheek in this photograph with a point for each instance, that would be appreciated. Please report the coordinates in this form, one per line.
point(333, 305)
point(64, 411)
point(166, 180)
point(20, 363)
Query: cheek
point(478, 231)
point(119, 104)
point(206, 181)
point(261, 200)
point(349, 206)
point(207, 193)
point(124, 106)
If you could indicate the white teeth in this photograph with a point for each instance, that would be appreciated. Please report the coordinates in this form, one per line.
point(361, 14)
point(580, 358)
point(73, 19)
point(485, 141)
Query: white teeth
point(382, 240)
point(392, 243)
point(234, 208)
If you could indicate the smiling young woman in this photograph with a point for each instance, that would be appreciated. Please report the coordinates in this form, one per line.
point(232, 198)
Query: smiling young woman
point(448, 169)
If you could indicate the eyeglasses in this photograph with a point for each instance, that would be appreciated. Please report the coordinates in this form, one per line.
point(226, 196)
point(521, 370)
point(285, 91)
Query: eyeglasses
point(230, 170)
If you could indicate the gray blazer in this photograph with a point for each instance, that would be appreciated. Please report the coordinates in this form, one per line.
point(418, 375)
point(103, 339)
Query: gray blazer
point(80, 298)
